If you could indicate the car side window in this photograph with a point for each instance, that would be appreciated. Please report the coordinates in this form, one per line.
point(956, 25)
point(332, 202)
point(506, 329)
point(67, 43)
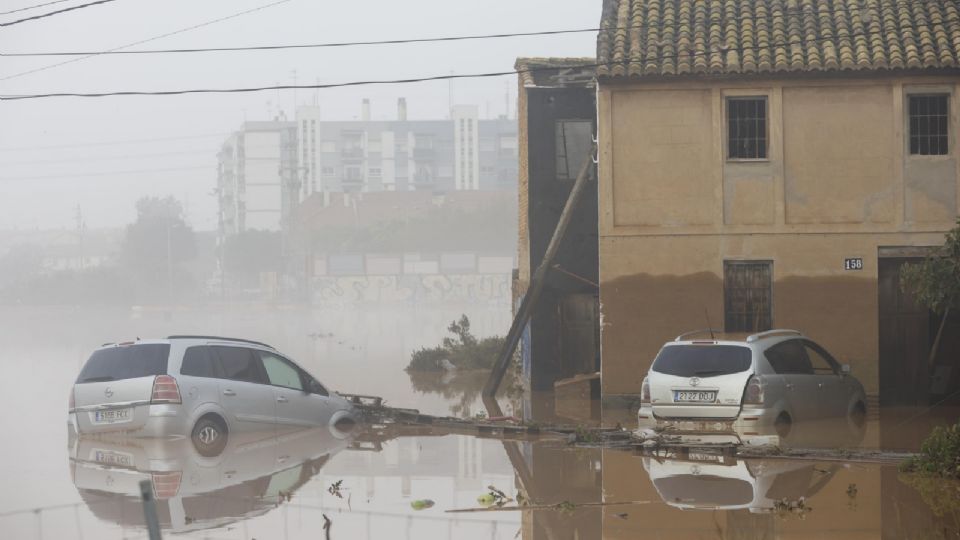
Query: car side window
point(280, 372)
point(240, 364)
point(199, 362)
point(820, 360)
point(313, 385)
point(789, 357)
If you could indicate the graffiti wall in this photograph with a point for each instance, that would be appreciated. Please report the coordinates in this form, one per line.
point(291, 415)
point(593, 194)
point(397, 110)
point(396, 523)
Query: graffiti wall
point(347, 291)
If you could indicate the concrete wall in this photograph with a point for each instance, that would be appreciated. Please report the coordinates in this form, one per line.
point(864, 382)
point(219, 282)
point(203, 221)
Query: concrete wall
point(838, 183)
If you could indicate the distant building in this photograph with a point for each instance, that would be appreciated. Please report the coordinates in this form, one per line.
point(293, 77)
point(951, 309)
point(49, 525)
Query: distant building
point(460, 153)
point(256, 180)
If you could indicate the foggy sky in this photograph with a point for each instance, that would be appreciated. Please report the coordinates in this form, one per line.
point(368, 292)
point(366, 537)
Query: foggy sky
point(41, 187)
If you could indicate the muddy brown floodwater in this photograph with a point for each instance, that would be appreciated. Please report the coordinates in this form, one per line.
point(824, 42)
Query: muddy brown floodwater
point(280, 487)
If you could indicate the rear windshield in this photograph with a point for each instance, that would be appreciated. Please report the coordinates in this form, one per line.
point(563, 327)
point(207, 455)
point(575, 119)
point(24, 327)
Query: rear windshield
point(702, 360)
point(129, 362)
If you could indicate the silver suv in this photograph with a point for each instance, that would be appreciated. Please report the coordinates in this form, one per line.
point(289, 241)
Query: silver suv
point(203, 387)
point(759, 384)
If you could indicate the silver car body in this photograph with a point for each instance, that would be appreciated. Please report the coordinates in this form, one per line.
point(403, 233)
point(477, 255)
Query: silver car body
point(713, 402)
point(127, 406)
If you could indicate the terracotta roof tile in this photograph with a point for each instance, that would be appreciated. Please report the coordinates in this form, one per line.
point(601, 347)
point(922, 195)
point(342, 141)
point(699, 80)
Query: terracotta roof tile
point(641, 38)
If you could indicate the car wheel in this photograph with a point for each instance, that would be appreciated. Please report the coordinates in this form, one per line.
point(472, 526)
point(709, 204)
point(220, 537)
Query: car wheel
point(858, 416)
point(782, 425)
point(209, 436)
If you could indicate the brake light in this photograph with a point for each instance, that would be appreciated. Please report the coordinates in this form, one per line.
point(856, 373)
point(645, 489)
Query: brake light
point(753, 393)
point(166, 485)
point(165, 390)
point(645, 392)
point(72, 403)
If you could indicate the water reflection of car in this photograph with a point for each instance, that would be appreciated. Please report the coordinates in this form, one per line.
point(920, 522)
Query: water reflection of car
point(253, 474)
point(704, 481)
point(198, 386)
point(756, 384)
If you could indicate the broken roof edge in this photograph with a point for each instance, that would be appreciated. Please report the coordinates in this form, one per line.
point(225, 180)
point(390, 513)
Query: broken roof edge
point(556, 71)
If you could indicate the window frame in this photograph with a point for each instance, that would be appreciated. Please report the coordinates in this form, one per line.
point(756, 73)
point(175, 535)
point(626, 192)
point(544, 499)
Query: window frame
point(927, 91)
point(834, 364)
point(214, 362)
point(258, 365)
point(770, 307)
point(746, 96)
point(559, 127)
point(289, 363)
point(792, 341)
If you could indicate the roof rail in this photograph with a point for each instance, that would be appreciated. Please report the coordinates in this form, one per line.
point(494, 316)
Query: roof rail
point(221, 338)
point(779, 331)
point(685, 335)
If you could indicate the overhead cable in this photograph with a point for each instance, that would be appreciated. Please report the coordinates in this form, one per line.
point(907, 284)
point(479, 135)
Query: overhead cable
point(32, 7)
point(411, 80)
point(57, 12)
point(740, 18)
point(142, 41)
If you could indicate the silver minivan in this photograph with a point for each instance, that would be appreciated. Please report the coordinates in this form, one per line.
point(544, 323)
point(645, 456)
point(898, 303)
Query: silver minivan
point(202, 387)
point(730, 385)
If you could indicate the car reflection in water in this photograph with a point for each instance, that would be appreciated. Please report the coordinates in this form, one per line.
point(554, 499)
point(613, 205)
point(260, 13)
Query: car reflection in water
point(706, 481)
point(253, 475)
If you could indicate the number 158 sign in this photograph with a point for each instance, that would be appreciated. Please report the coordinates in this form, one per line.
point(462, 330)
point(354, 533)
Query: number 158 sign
point(853, 264)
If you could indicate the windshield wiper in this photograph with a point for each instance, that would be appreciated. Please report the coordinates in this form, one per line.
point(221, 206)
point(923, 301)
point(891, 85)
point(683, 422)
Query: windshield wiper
point(98, 379)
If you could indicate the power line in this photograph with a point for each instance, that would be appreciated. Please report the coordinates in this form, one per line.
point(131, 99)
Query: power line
point(57, 12)
point(310, 45)
point(32, 7)
point(111, 143)
point(142, 41)
point(416, 79)
point(106, 173)
point(408, 40)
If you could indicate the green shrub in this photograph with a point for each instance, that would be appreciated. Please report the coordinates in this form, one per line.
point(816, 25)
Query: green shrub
point(463, 350)
point(939, 454)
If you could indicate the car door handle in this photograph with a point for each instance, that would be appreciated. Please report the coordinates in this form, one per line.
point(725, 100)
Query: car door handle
point(229, 392)
point(281, 399)
point(820, 386)
point(789, 386)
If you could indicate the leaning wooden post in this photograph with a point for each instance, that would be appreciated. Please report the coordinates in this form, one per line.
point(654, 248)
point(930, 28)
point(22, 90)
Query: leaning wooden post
point(536, 281)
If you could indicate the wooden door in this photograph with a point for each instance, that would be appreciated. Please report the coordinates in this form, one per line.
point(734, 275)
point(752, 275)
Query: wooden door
point(904, 340)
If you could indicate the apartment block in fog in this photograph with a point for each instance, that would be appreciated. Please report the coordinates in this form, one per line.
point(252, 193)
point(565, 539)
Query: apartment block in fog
point(464, 152)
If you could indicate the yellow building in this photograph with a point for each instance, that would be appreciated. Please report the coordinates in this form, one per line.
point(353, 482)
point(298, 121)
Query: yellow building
point(772, 163)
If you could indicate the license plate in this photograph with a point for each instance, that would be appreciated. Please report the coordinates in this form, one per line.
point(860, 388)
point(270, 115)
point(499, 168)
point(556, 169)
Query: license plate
point(112, 416)
point(694, 396)
point(112, 458)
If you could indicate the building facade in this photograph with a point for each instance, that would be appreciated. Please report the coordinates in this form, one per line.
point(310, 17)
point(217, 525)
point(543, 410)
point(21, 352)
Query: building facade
point(773, 167)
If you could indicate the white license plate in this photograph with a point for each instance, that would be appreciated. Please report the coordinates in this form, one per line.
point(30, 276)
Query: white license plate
point(112, 458)
point(112, 416)
point(688, 396)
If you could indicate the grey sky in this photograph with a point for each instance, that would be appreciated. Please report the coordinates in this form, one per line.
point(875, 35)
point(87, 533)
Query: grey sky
point(40, 187)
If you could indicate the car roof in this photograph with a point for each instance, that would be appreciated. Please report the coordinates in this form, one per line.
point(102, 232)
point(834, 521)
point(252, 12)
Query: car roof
point(761, 339)
point(201, 338)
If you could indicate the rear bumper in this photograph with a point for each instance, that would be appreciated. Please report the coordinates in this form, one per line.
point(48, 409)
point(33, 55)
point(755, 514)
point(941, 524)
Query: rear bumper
point(750, 425)
point(149, 421)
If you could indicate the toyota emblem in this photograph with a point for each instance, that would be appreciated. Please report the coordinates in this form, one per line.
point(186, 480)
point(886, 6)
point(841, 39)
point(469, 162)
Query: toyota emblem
point(108, 392)
point(695, 381)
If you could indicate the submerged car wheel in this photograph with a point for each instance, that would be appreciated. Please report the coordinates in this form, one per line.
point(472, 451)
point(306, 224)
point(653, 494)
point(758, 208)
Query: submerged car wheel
point(783, 424)
point(858, 416)
point(209, 436)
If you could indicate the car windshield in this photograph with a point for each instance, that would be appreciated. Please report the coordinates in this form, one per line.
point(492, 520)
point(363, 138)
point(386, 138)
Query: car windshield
point(117, 363)
point(702, 360)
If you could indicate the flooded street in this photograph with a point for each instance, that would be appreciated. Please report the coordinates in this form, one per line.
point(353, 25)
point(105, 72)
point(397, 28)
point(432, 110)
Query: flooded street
point(281, 485)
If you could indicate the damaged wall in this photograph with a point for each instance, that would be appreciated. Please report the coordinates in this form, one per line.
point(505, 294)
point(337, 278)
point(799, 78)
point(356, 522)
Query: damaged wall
point(838, 182)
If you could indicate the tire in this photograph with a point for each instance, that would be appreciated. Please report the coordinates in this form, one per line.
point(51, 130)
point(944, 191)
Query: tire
point(209, 436)
point(783, 424)
point(858, 416)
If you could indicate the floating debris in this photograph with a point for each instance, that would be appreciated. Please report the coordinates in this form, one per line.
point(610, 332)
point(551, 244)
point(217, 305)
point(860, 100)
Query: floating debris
point(421, 504)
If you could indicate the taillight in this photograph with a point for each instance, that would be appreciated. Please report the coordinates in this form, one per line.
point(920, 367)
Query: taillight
point(165, 390)
point(753, 393)
point(645, 392)
point(72, 403)
point(166, 485)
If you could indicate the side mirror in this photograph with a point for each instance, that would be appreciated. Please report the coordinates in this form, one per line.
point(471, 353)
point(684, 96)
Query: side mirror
point(845, 369)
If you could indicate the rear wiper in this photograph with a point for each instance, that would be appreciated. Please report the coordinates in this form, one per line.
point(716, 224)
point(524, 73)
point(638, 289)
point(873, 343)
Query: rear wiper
point(98, 379)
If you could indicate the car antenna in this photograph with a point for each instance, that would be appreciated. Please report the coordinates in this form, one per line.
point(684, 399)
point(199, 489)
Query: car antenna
point(706, 315)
